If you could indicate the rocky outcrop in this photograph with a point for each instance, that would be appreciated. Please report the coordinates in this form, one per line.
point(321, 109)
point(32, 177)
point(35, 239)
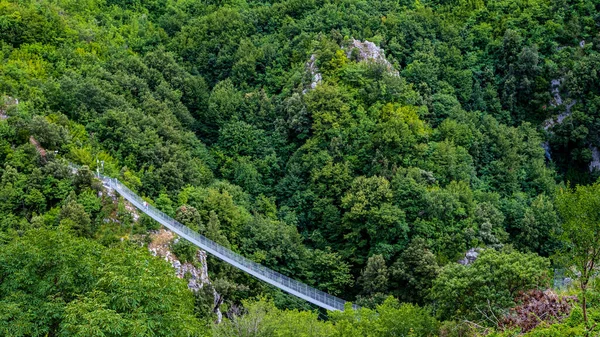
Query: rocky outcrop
point(470, 256)
point(557, 101)
point(5, 103)
point(367, 51)
point(546, 147)
point(160, 245)
point(549, 123)
point(132, 210)
point(217, 298)
point(595, 163)
point(313, 71)
point(197, 277)
point(568, 104)
point(361, 51)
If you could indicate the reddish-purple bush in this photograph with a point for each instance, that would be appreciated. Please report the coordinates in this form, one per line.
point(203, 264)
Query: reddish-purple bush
point(536, 307)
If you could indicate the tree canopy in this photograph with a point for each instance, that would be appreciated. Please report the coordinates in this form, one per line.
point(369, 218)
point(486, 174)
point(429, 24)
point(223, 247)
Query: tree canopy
point(362, 147)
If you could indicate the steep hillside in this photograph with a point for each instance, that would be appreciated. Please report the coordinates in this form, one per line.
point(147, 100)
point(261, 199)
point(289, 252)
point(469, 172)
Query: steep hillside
point(361, 147)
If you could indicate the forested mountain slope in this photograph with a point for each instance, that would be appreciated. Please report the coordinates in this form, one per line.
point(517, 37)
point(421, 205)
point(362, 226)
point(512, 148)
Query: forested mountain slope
point(362, 147)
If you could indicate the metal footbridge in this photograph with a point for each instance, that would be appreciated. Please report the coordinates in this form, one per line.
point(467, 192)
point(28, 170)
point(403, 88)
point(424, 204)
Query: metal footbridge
point(261, 272)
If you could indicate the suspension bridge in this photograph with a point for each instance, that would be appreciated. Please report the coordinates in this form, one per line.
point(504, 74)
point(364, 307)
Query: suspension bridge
point(259, 271)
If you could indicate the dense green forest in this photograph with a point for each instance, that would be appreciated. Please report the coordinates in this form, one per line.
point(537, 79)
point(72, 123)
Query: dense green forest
point(362, 147)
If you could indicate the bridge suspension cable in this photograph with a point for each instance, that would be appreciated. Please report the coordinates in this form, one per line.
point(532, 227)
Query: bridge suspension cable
point(259, 271)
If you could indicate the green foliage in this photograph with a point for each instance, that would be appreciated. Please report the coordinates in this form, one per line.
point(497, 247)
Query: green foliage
point(264, 319)
point(328, 271)
point(190, 217)
point(414, 271)
point(540, 227)
point(389, 319)
point(184, 250)
point(488, 286)
point(262, 126)
point(373, 223)
point(73, 217)
point(53, 283)
point(580, 213)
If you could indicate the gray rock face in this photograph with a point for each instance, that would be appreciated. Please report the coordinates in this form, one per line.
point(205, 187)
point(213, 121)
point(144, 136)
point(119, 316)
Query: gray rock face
point(217, 298)
point(160, 246)
point(5, 103)
point(546, 147)
point(560, 280)
point(315, 75)
point(470, 256)
point(595, 163)
point(368, 51)
point(133, 211)
point(549, 123)
point(555, 85)
point(197, 276)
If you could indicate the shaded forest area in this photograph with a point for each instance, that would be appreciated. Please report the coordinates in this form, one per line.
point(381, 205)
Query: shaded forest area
point(362, 147)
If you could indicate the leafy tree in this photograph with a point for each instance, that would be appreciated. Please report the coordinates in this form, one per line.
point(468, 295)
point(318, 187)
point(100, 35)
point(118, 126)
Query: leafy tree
point(273, 243)
point(219, 200)
point(83, 178)
point(372, 223)
point(190, 217)
point(54, 283)
point(374, 278)
point(184, 250)
point(74, 217)
point(329, 109)
point(374, 282)
point(540, 227)
point(487, 287)
point(410, 191)
point(578, 209)
point(165, 204)
point(213, 230)
point(264, 319)
point(35, 200)
point(51, 136)
point(328, 271)
point(413, 273)
point(391, 318)
point(398, 131)
point(225, 103)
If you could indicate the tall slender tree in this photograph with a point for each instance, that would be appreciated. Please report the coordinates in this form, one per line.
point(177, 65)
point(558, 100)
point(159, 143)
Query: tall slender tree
point(580, 212)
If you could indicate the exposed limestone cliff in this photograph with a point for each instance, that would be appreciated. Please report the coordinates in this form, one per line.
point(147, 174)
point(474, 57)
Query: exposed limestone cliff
point(160, 246)
point(197, 277)
point(567, 104)
point(5, 103)
point(367, 51)
point(361, 51)
point(313, 71)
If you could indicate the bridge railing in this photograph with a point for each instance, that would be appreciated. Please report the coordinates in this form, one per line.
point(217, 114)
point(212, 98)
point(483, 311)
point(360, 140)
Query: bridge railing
point(276, 279)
